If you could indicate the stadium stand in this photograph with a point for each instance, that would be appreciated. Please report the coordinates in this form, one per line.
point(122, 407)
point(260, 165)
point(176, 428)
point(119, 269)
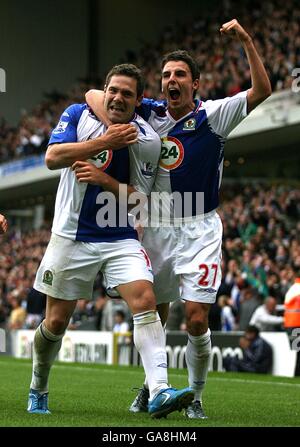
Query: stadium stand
point(261, 247)
point(224, 69)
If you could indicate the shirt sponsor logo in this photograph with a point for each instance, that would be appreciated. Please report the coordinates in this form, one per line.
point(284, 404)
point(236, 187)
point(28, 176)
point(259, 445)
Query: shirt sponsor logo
point(172, 153)
point(103, 159)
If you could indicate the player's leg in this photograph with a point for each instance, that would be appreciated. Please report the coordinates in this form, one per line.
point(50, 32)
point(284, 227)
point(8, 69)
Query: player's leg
point(198, 352)
point(64, 277)
point(148, 332)
point(47, 340)
point(46, 345)
point(158, 243)
point(149, 340)
point(200, 266)
point(129, 270)
point(140, 402)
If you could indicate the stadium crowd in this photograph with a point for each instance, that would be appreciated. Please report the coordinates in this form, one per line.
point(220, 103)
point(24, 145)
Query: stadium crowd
point(261, 258)
point(276, 31)
point(261, 247)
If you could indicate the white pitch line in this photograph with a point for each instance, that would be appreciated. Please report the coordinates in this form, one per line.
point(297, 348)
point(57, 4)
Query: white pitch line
point(216, 379)
point(262, 382)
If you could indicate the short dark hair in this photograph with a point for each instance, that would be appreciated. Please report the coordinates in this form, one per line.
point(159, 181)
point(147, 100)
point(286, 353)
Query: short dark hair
point(182, 55)
point(252, 330)
point(131, 71)
point(121, 313)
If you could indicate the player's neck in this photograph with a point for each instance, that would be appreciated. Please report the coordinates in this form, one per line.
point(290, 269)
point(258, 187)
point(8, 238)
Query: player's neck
point(180, 112)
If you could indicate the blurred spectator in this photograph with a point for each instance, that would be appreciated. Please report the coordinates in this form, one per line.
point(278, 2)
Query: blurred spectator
point(121, 329)
point(120, 325)
point(257, 354)
point(265, 318)
point(292, 315)
point(248, 303)
point(227, 316)
point(3, 224)
point(82, 316)
point(292, 306)
point(18, 314)
point(36, 305)
point(3, 314)
point(113, 305)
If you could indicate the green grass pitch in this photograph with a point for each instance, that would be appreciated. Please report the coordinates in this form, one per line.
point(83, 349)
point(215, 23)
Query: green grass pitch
point(88, 395)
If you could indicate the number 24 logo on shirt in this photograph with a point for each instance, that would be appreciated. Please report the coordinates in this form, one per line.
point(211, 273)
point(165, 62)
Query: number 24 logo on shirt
point(172, 153)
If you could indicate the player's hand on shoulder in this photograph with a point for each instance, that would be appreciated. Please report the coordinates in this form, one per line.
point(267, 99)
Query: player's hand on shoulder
point(120, 135)
point(234, 29)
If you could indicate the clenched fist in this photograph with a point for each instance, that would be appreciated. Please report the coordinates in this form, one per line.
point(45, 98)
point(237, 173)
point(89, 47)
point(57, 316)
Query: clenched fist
point(234, 28)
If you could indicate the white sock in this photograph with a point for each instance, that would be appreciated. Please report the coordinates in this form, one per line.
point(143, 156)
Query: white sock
point(45, 349)
point(149, 340)
point(197, 357)
point(145, 384)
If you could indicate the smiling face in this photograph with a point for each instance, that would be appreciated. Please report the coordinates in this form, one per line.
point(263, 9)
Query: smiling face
point(178, 87)
point(121, 98)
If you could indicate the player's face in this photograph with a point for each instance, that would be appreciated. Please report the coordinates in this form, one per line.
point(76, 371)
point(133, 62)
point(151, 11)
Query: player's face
point(121, 98)
point(178, 87)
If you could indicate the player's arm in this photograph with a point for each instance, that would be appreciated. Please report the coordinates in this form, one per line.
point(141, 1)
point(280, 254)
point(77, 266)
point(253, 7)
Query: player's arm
point(261, 86)
point(3, 224)
point(89, 173)
point(117, 136)
point(95, 99)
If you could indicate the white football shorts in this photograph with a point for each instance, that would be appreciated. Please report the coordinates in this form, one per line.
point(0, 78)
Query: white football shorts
point(69, 268)
point(186, 259)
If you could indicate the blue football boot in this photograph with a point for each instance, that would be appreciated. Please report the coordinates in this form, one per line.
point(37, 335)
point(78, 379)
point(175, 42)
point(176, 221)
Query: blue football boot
point(168, 400)
point(38, 403)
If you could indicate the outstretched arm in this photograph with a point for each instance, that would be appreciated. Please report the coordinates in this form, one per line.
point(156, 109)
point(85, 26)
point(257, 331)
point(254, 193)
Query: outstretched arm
point(261, 86)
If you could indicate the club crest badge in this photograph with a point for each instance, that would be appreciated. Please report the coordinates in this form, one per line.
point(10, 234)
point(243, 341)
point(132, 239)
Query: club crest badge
point(190, 124)
point(48, 277)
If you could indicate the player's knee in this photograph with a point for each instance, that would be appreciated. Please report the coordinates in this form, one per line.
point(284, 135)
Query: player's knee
point(197, 324)
point(144, 300)
point(57, 324)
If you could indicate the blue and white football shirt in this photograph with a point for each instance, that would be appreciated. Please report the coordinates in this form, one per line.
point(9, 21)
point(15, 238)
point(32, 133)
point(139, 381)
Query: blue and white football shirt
point(192, 155)
point(76, 204)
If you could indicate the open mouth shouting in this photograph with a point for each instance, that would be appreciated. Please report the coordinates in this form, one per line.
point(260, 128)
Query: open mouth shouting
point(174, 93)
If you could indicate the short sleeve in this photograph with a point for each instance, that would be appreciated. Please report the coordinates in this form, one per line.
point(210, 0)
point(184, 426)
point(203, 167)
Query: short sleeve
point(66, 129)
